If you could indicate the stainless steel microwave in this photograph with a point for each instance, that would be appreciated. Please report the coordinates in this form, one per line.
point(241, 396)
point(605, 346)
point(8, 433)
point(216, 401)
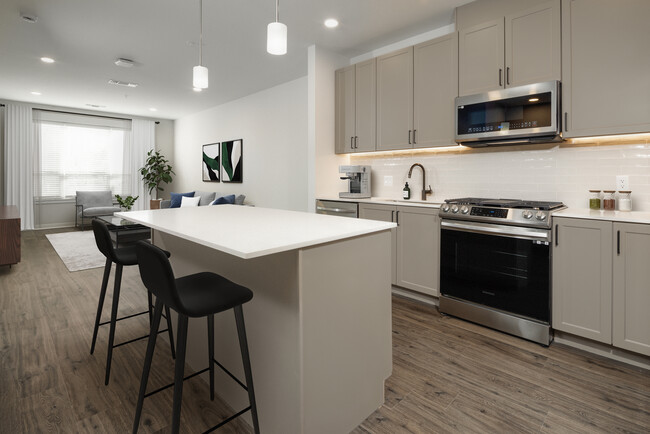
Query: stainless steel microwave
point(513, 116)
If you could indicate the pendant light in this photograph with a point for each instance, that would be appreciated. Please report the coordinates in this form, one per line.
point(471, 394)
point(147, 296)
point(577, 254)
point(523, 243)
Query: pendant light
point(276, 35)
point(200, 72)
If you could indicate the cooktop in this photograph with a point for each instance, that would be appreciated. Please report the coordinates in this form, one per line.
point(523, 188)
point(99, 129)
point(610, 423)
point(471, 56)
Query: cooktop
point(506, 203)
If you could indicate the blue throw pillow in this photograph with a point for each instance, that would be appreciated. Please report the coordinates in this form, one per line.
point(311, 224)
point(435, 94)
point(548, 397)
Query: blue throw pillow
point(176, 199)
point(227, 200)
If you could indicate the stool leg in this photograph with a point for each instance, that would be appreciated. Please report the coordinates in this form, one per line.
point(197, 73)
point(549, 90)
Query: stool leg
point(100, 304)
point(243, 345)
point(179, 367)
point(149, 296)
point(211, 353)
point(147, 365)
point(111, 333)
point(170, 331)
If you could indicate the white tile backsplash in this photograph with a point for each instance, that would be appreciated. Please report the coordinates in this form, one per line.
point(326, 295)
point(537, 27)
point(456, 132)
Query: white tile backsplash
point(542, 172)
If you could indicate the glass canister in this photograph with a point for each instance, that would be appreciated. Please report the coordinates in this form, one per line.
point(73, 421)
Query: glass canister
point(594, 199)
point(625, 200)
point(609, 202)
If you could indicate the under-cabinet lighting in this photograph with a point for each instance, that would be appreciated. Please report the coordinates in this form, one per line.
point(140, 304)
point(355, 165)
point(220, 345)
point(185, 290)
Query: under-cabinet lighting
point(533, 99)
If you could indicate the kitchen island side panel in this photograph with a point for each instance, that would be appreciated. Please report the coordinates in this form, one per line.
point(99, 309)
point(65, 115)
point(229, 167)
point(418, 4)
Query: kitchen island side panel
point(345, 294)
point(320, 317)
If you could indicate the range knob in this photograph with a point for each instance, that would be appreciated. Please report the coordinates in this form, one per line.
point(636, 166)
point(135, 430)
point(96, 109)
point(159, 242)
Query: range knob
point(445, 208)
point(454, 209)
point(464, 209)
point(528, 214)
point(541, 215)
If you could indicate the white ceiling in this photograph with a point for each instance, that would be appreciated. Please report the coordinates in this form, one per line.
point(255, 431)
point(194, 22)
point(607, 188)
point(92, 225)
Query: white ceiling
point(161, 36)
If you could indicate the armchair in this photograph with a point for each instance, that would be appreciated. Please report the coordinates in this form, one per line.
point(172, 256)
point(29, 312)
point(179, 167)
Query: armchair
point(93, 204)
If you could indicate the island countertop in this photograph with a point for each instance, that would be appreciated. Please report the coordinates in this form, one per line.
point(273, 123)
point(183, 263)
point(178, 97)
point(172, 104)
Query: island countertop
point(250, 232)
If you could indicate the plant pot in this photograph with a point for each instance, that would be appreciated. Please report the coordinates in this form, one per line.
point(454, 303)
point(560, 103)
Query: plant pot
point(154, 203)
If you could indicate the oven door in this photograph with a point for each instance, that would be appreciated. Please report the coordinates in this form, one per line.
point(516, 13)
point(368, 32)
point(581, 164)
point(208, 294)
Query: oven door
point(502, 267)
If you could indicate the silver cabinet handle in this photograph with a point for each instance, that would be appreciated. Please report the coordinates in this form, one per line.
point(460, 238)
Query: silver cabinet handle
point(351, 142)
point(557, 239)
point(409, 137)
point(356, 142)
point(566, 121)
point(618, 243)
point(500, 77)
point(397, 217)
point(508, 75)
point(414, 141)
point(392, 216)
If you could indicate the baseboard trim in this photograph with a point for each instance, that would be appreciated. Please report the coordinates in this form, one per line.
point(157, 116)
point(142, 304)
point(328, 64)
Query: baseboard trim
point(603, 350)
point(416, 296)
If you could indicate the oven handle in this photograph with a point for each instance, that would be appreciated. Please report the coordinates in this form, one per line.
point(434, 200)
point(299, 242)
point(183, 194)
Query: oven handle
point(500, 230)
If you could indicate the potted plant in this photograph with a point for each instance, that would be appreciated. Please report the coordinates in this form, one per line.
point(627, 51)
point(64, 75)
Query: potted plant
point(156, 170)
point(126, 202)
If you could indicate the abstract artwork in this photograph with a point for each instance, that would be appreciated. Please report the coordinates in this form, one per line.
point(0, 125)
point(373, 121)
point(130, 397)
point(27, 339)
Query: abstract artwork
point(231, 161)
point(210, 162)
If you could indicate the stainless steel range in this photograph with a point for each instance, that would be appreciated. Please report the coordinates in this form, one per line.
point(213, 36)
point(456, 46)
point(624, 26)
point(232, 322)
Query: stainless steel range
point(495, 266)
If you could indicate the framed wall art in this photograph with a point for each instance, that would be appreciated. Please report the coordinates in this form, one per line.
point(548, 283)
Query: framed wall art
point(232, 161)
point(210, 162)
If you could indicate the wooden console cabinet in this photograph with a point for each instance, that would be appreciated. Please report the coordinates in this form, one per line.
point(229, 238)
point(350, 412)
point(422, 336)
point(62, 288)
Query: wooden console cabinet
point(9, 235)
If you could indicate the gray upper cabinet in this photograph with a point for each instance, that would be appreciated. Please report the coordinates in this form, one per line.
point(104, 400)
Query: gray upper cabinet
point(395, 100)
point(522, 48)
point(631, 300)
point(605, 67)
point(435, 82)
point(356, 108)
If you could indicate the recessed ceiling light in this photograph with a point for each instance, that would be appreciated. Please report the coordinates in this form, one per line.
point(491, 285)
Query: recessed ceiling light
point(36, 93)
point(47, 60)
point(124, 63)
point(197, 89)
point(95, 105)
point(330, 23)
point(122, 83)
point(153, 109)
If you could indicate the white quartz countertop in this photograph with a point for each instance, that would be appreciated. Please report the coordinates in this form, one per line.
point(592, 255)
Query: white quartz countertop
point(386, 201)
point(614, 216)
point(249, 232)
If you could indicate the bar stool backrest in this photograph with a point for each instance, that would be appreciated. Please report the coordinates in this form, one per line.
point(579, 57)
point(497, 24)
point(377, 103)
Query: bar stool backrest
point(103, 239)
point(157, 274)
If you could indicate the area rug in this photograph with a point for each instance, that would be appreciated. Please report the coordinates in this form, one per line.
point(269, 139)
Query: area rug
point(77, 250)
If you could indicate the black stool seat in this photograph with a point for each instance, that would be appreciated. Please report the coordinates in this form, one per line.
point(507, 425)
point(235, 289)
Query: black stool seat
point(206, 293)
point(197, 295)
point(123, 256)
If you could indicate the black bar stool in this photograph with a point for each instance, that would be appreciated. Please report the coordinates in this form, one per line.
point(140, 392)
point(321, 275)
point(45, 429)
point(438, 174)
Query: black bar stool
point(121, 257)
point(197, 295)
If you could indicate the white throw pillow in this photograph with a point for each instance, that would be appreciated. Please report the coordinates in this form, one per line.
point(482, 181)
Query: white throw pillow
point(190, 201)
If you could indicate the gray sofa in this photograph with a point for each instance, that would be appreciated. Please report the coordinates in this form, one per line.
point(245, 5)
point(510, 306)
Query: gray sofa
point(91, 204)
point(207, 197)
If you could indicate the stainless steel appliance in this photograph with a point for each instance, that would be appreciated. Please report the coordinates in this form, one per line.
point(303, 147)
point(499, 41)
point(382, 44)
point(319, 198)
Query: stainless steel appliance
point(337, 208)
point(495, 266)
point(517, 115)
point(358, 178)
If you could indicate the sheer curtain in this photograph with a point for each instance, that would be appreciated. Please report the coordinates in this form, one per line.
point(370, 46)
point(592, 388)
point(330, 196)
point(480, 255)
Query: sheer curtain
point(19, 160)
point(141, 140)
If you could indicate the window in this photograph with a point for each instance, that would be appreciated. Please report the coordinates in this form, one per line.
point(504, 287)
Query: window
point(78, 156)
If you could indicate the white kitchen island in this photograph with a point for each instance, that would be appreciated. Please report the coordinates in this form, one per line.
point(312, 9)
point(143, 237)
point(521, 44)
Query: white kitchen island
point(319, 324)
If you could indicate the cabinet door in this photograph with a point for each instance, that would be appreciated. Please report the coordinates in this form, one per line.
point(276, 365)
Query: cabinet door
point(533, 45)
point(345, 109)
point(366, 106)
point(582, 278)
point(631, 300)
point(480, 58)
point(383, 213)
point(395, 100)
point(418, 249)
point(435, 83)
point(605, 67)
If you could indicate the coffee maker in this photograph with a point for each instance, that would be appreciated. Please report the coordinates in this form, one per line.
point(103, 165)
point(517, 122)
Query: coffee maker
point(358, 178)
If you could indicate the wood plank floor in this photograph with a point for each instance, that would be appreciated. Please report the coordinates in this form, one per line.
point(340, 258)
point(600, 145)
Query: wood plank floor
point(448, 375)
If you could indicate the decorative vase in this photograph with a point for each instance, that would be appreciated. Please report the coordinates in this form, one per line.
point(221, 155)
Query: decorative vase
point(154, 203)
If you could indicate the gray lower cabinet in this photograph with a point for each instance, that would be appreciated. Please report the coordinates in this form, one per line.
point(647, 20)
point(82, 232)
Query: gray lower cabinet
point(601, 281)
point(416, 244)
point(631, 297)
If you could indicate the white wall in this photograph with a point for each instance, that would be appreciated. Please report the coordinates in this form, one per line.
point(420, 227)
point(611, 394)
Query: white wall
point(273, 126)
point(323, 163)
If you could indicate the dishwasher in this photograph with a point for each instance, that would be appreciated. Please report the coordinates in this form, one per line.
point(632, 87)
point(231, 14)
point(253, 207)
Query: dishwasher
point(337, 208)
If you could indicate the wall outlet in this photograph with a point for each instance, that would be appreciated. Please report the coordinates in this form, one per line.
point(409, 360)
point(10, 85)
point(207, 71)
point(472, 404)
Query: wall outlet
point(388, 181)
point(622, 182)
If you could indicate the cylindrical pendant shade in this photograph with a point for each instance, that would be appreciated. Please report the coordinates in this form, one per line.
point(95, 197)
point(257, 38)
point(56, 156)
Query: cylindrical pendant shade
point(276, 38)
point(200, 77)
